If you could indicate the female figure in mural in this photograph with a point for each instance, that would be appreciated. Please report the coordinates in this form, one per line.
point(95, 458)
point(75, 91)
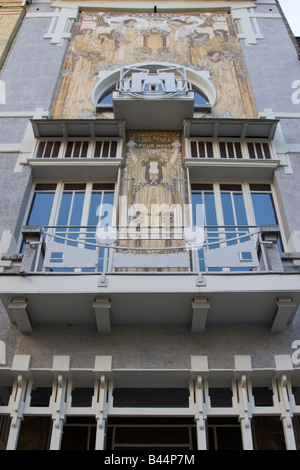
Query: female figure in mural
point(152, 181)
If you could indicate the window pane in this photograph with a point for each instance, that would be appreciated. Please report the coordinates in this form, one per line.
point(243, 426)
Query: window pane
point(70, 214)
point(107, 212)
point(96, 210)
point(197, 204)
point(77, 209)
point(227, 209)
point(240, 209)
point(210, 209)
point(95, 203)
point(64, 209)
point(264, 209)
point(106, 99)
point(228, 215)
point(41, 209)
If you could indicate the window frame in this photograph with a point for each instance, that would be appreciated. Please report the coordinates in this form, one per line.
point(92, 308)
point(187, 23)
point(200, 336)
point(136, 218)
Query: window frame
point(60, 188)
point(235, 142)
point(42, 144)
point(247, 196)
point(217, 191)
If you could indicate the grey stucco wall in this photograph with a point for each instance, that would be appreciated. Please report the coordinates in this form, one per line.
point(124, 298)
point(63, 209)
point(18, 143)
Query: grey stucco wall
point(143, 347)
point(32, 67)
point(14, 191)
point(30, 74)
point(273, 67)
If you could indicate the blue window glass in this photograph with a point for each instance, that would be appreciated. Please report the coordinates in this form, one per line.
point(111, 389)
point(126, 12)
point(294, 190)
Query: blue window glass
point(70, 214)
point(107, 98)
point(204, 213)
point(41, 209)
point(264, 209)
point(100, 213)
point(234, 215)
point(228, 216)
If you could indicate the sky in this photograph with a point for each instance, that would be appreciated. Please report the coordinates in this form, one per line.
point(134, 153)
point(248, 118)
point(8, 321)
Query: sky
point(291, 10)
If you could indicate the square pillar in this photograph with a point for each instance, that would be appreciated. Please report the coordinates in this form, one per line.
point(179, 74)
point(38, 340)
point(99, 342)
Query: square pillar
point(21, 370)
point(102, 370)
point(58, 401)
point(32, 237)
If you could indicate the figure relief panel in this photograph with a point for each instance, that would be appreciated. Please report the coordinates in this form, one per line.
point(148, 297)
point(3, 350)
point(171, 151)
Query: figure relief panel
point(107, 41)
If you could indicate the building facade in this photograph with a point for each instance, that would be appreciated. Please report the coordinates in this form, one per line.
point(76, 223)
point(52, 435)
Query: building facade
point(149, 226)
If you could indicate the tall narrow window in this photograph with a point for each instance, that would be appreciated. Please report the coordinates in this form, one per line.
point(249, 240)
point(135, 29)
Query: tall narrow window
point(100, 214)
point(263, 207)
point(234, 211)
point(204, 213)
point(41, 205)
point(70, 212)
point(263, 204)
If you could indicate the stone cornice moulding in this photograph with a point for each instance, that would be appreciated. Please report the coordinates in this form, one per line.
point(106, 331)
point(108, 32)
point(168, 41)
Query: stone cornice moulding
point(161, 5)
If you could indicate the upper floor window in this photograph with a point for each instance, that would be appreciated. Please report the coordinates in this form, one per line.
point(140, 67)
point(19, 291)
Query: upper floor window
point(69, 204)
point(69, 214)
point(230, 150)
point(234, 204)
point(107, 98)
point(106, 148)
point(232, 214)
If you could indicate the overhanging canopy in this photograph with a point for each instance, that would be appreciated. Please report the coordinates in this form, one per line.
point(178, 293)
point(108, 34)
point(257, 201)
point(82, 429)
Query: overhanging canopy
point(230, 128)
point(71, 129)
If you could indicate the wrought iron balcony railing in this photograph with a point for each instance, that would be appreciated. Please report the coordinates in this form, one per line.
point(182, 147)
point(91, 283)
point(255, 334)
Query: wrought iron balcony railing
point(198, 250)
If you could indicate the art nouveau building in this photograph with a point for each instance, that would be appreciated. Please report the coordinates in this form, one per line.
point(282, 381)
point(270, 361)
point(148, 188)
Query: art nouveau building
point(149, 229)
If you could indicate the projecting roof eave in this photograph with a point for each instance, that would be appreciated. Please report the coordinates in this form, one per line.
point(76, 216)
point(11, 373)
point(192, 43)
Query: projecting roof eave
point(72, 129)
point(230, 128)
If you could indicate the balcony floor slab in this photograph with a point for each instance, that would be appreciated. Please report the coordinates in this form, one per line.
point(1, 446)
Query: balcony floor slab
point(150, 299)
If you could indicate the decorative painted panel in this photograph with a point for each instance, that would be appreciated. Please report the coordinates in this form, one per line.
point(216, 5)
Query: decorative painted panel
point(153, 196)
point(106, 41)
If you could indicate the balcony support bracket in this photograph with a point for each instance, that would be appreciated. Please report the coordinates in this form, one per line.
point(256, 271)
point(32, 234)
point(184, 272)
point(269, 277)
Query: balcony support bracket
point(284, 314)
point(200, 312)
point(101, 308)
point(18, 313)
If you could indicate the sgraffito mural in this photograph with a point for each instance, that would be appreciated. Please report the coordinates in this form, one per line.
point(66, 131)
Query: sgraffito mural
point(104, 41)
point(153, 186)
point(153, 177)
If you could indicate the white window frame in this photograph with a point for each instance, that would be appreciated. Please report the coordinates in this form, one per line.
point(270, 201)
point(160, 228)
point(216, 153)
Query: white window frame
point(90, 151)
point(217, 153)
point(246, 191)
point(58, 193)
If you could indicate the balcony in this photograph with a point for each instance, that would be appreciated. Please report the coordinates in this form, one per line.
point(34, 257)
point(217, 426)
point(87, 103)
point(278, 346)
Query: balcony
point(218, 149)
point(228, 275)
point(153, 98)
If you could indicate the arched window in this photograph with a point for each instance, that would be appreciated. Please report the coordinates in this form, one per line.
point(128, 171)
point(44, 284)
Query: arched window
point(200, 99)
point(106, 98)
point(205, 93)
